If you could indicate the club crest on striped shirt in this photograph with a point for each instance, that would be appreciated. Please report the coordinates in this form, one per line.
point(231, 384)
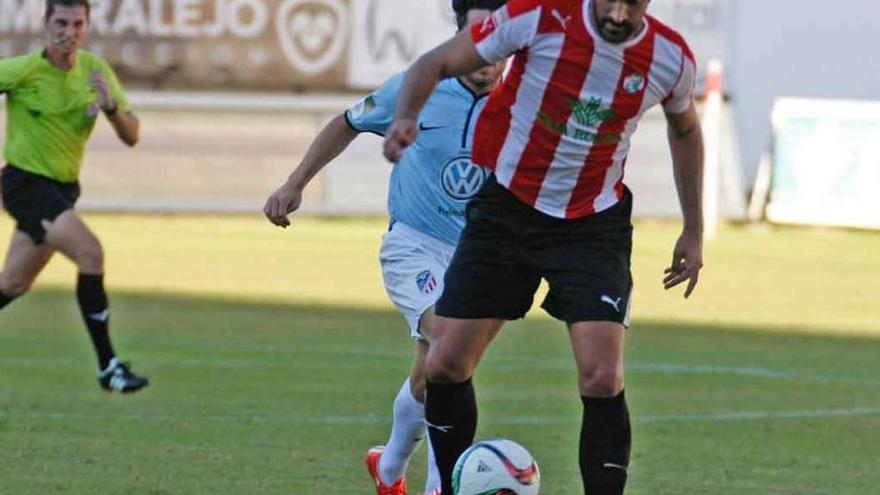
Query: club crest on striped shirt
point(634, 83)
point(426, 282)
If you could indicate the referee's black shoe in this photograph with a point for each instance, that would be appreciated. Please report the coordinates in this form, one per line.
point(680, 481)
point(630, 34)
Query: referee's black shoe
point(119, 378)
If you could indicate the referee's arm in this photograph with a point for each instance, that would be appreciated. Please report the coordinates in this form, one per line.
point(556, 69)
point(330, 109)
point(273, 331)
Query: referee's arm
point(124, 122)
point(126, 125)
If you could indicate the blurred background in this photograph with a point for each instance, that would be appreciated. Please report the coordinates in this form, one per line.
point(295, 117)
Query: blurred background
point(275, 354)
point(230, 92)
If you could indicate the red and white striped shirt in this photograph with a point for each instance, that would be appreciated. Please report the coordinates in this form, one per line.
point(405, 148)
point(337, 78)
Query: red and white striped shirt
point(557, 131)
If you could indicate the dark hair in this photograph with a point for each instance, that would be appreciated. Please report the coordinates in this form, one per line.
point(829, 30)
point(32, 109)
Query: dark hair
point(50, 7)
point(462, 7)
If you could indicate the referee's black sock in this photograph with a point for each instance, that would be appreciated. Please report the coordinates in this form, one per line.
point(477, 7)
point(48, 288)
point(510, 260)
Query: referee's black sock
point(451, 415)
point(605, 444)
point(96, 315)
point(5, 300)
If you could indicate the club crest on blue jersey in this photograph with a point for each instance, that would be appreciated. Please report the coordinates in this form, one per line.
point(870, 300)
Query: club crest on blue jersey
point(362, 107)
point(461, 179)
point(426, 282)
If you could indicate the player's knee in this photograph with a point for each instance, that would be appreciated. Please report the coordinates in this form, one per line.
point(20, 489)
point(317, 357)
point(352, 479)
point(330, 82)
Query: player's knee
point(447, 368)
point(14, 286)
point(601, 381)
point(90, 258)
point(417, 387)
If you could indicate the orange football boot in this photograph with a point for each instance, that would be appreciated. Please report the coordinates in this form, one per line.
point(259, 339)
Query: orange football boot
point(372, 462)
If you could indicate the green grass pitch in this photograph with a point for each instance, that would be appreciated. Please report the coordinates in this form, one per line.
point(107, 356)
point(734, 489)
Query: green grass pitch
point(274, 357)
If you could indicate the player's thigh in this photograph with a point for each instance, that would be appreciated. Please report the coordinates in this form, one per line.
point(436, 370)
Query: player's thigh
point(427, 323)
point(596, 288)
point(490, 276)
point(598, 351)
point(412, 271)
point(73, 238)
point(33, 200)
point(458, 345)
point(587, 267)
point(24, 261)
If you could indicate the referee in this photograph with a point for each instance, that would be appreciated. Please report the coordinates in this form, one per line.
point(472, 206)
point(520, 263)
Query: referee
point(53, 99)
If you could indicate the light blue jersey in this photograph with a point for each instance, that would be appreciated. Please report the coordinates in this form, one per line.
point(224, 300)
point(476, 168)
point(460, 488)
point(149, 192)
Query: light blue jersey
point(435, 178)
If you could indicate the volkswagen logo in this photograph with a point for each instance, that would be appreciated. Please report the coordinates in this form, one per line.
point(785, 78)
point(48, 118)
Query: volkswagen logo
point(462, 179)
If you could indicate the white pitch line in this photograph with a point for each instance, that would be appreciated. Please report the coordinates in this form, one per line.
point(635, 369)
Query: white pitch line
point(267, 416)
point(758, 415)
point(710, 417)
point(552, 365)
point(701, 369)
point(709, 369)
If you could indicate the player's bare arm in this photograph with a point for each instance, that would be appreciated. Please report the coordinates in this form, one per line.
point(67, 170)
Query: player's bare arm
point(686, 145)
point(125, 123)
point(331, 141)
point(456, 57)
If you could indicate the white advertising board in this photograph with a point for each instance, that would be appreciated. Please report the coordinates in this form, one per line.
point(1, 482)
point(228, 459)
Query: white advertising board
point(388, 35)
point(826, 163)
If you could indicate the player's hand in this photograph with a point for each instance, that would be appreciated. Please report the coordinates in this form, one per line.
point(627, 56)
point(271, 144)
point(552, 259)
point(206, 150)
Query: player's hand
point(400, 134)
point(282, 203)
point(102, 91)
point(687, 260)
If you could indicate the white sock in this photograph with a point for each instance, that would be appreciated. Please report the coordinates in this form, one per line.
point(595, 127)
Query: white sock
point(407, 433)
point(432, 482)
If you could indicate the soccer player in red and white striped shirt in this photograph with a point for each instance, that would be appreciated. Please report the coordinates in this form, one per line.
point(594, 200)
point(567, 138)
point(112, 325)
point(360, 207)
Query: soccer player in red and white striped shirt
point(556, 134)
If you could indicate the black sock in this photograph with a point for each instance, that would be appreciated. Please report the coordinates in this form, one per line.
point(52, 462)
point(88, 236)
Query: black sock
point(451, 414)
point(5, 300)
point(605, 443)
point(96, 315)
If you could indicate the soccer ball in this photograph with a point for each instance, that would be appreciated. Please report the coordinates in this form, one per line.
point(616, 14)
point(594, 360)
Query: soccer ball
point(496, 467)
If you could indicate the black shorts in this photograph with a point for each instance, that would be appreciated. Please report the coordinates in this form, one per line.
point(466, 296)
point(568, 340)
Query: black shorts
point(30, 198)
point(507, 247)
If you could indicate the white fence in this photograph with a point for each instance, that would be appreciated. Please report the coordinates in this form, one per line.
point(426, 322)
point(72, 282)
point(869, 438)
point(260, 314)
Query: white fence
point(226, 153)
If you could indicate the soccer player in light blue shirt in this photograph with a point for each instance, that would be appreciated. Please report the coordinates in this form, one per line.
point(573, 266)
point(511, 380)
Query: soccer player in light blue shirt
point(428, 192)
point(432, 183)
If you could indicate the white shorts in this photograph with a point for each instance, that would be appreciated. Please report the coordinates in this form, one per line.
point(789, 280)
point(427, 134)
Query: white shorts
point(413, 266)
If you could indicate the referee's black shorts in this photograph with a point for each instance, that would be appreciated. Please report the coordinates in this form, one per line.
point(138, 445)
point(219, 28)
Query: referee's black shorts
point(31, 198)
point(507, 247)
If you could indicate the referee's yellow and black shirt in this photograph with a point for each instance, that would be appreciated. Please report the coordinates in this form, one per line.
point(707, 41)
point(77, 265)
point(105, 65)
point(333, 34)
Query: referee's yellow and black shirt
point(50, 113)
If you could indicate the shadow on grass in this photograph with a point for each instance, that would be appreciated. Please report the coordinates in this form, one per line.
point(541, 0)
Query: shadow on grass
point(137, 311)
point(164, 325)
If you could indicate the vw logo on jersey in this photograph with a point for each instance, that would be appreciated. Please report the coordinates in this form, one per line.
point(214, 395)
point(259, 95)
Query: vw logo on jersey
point(462, 179)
